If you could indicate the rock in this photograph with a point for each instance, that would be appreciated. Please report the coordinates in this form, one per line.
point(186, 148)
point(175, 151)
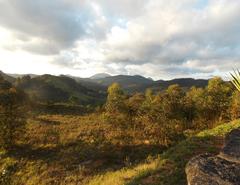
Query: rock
point(231, 150)
point(222, 169)
point(206, 169)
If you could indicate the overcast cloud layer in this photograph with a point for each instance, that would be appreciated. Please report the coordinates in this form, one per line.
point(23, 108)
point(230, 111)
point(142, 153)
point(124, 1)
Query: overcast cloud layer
point(156, 38)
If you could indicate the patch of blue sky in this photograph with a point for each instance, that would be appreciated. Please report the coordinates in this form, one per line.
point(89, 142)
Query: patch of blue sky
point(201, 4)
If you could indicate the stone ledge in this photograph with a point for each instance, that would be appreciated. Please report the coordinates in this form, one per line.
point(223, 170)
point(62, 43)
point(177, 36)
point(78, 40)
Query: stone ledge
point(222, 169)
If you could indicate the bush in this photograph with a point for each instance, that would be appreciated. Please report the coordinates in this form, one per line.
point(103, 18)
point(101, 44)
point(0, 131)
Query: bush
point(12, 119)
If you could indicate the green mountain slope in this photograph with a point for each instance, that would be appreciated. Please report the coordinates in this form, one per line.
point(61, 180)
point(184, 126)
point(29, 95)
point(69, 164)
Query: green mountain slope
point(138, 83)
point(128, 83)
point(7, 77)
point(169, 167)
point(59, 89)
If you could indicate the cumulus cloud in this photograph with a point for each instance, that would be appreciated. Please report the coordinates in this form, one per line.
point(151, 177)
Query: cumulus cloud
point(188, 38)
point(49, 26)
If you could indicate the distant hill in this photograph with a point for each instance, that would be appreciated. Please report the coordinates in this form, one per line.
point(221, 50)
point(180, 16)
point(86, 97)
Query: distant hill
point(89, 83)
point(183, 82)
point(59, 89)
point(128, 83)
point(100, 75)
point(139, 83)
point(22, 75)
point(7, 77)
point(91, 90)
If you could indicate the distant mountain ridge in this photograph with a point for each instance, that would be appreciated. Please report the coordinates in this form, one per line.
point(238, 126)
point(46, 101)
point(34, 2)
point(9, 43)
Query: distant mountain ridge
point(137, 83)
point(100, 75)
point(7, 77)
point(91, 90)
point(22, 75)
point(49, 88)
point(126, 81)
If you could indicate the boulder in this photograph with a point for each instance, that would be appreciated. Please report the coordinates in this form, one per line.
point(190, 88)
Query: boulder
point(231, 149)
point(222, 169)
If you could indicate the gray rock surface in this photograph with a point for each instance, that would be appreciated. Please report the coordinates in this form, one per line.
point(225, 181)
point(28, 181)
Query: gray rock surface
point(222, 169)
point(231, 150)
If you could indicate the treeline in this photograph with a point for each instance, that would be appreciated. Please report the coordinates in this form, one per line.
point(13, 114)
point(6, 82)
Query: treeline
point(153, 118)
point(165, 117)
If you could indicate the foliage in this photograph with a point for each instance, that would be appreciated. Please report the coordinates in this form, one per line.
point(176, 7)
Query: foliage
point(235, 105)
point(67, 144)
point(236, 79)
point(168, 168)
point(115, 99)
point(12, 121)
point(59, 89)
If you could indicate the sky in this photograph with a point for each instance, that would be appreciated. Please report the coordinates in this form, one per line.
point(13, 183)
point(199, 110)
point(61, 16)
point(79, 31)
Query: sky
point(154, 38)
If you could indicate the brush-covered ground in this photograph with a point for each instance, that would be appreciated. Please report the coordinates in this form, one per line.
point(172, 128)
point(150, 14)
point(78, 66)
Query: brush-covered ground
point(72, 150)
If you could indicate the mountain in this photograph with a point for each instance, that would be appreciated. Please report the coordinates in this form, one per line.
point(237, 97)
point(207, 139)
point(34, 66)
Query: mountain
point(89, 83)
point(185, 83)
point(59, 89)
point(7, 77)
point(99, 76)
point(137, 83)
point(88, 90)
point(22, 75)
point(128, 83)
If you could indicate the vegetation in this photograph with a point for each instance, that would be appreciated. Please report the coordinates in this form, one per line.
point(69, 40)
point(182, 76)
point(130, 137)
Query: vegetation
point(142, 138)
point(12, 120)
point(236, 79)
point(168, 168)
point(58, 89)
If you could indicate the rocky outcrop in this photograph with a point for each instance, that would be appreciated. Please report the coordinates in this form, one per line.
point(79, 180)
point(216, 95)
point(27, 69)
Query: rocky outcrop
point(223, 169)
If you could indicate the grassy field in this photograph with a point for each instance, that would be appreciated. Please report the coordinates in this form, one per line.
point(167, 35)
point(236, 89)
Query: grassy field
point(168, 168)
point(67, 149)
point(72, 150)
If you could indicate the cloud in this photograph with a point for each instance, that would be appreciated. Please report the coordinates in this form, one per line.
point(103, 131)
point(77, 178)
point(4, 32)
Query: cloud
point(50, 26)
point(189, 38)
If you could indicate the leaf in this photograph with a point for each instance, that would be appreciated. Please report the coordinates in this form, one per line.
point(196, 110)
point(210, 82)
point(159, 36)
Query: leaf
point(236, 79)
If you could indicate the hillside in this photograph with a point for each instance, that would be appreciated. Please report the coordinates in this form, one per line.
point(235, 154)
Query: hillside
point(59, 89)
point(168, 168)
point(183, 82)
point(89, 83)
point(7, 77)
point(64, 150)
point(138, 83)
point(126, 81)
point(100, 75)
point(100, 82)
point(22, 75)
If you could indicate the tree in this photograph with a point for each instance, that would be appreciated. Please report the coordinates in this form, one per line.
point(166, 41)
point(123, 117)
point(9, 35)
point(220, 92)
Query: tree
point(235, 105)
point(12, 119)
point(172, 102)
point(115, 100)
point(219, 94)
point(134, 103)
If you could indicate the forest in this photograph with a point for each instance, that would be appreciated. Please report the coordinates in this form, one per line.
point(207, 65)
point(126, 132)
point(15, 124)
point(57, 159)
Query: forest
point(71, 142)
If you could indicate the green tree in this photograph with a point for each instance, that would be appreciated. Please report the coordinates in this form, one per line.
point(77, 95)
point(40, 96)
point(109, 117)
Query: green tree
point(115, 100)
point(12, 119)
point(172, 102)
point(134, 103)
point(219, 98)
point(235, 105)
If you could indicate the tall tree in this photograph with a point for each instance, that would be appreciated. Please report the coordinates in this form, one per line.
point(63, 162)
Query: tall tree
point(115, 100)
